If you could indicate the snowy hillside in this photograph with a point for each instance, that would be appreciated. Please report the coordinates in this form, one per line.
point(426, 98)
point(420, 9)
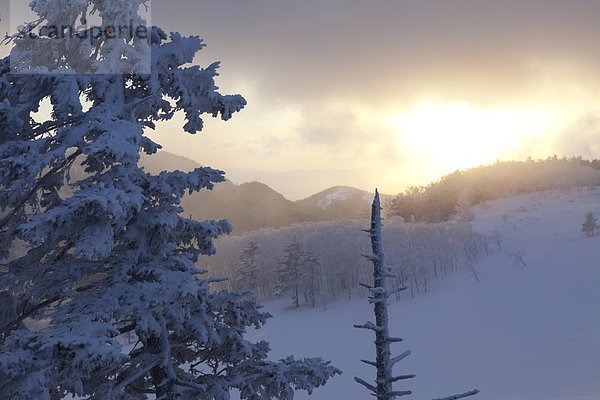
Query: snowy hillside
point(335, 194)
point(340, 202)
point(525, 332)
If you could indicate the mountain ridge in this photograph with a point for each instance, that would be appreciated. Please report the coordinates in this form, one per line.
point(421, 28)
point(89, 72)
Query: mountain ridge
point(251, 206)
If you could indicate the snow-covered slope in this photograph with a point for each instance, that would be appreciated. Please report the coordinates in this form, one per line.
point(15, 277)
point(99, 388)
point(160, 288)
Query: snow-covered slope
point(335, 194)
point(523, 333)
point(340, 202)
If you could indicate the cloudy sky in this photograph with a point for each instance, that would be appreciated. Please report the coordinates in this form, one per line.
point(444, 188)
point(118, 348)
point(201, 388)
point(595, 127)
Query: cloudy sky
point(390, 93)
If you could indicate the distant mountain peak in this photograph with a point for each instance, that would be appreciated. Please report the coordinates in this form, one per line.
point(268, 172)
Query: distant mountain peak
point(335, 194)
point(254, 205)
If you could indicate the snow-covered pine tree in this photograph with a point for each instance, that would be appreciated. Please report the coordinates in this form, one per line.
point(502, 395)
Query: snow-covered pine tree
point(311, 276)
point(464, 207)
point(590, 226)
point(109, 254)
point(290, 272)
point(384, 363)
point(247, 276)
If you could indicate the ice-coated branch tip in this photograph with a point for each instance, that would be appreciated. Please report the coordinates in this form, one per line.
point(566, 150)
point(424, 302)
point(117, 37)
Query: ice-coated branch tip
point(460, 396)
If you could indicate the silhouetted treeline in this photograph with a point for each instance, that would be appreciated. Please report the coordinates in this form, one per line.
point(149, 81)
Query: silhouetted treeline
point(438, 201)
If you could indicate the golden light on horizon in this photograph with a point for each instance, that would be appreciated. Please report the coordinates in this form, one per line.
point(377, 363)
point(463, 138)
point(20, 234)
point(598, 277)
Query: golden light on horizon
point(447, 137)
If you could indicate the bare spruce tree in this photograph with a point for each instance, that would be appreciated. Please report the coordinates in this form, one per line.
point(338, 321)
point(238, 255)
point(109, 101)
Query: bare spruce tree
point(384, 363)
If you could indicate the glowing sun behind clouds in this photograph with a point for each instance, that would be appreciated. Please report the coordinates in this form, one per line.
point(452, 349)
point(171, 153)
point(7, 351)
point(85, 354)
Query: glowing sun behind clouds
point(447, 137)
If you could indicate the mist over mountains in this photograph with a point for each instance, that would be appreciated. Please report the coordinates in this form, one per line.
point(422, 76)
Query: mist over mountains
point(252, 206)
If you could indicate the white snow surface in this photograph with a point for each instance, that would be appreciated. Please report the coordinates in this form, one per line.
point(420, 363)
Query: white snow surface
point(523, 333)
point(341, 193)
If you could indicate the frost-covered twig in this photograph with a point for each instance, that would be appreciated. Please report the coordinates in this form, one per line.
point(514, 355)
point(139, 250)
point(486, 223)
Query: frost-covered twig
point(460, 396)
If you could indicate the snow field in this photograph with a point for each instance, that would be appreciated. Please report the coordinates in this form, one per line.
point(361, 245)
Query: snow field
point(523, 333)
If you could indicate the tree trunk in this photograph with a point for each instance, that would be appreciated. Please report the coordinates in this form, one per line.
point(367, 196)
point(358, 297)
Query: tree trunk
point(159, 374)
point(382, 388)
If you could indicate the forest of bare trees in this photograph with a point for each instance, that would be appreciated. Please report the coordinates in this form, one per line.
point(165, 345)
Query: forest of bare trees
point(416, 252)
